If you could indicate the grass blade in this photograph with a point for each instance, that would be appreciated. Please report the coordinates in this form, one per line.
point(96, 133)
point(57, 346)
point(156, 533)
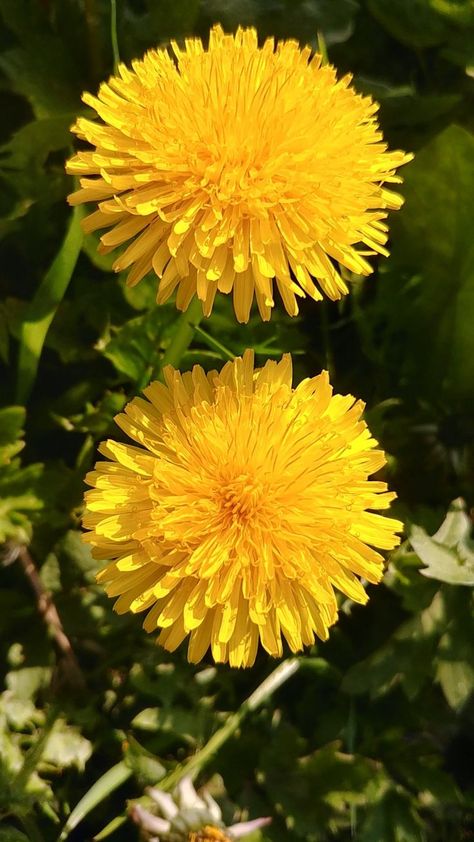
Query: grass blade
point(102, 788)
point(43, 306)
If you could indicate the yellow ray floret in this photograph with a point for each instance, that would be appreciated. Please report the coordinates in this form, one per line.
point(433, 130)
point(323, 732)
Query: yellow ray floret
point(240, 508)
point(235, 169)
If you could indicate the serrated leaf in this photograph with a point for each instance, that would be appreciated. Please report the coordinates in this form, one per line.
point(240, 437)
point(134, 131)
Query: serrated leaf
point(18, 500)
point(406, 657)
point(25, 683)
point(135, 348)
point(19, 712)
point(314, 792)
point(12, 419)
point(31, 144)
point(66, 747)
point(449, 553)
point(392, 819)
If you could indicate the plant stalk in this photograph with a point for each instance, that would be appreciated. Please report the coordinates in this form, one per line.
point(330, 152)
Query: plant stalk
point(193, 766)
point(113, 34)
point(183, 334)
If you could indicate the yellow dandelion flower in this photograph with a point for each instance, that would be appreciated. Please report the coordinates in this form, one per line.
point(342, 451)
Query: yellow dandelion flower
point(242, 509)
point(236, 168)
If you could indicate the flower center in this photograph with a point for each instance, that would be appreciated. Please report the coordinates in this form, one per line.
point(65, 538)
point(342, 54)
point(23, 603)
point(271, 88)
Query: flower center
point(208, 834)
point(241, 498)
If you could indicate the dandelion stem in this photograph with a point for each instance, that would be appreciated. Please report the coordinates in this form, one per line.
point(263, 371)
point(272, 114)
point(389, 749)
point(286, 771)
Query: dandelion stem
point(91, 16)
point(113, 34)
point(183, 334)
point(214, 344)
point(193, 766)
point(326, 341)
point(322, 48)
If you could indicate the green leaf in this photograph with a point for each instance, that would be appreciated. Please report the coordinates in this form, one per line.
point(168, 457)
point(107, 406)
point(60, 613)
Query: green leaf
point(409, 109)
point(50, 574)
point(11, 834)
point(145, 766)
point(457, 681)
point(413, 22)
point(454, 663)
point(66, 747)
point(73, 552)
point(96, 419)
point(12, 419)
point(42, 308)
point(25, 683)
point(449, 553)
point(189, 726)
point(41, 66)
point(406, 657)
point(31, 144)
point(434, 785)
point(20, 713)
point(135, 348)
point(18, 500)
point(433, 250)
point(428, 23)
point(314, 793)
point(393, 819)
point(4, 332)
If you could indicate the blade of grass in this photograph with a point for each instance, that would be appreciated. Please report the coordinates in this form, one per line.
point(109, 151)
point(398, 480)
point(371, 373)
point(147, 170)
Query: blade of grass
point(43, 306)
point(110, 781)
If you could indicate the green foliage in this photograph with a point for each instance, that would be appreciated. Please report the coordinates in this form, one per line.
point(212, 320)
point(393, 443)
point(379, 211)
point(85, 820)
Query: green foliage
point(369, 740)
point(433, 252)
point(12, 419)
point(430, 23)
point(134, 350)
point(17, 485)
point(449, 553)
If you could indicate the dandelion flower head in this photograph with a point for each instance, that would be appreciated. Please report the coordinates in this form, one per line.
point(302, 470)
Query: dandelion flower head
point(236, 169)
point(241, 507)
point(186, 816)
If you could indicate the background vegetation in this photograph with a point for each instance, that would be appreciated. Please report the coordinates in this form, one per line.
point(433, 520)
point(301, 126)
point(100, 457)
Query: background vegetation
point(371, 739)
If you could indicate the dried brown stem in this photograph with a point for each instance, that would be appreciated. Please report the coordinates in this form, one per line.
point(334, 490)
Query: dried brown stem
point(47, 609)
